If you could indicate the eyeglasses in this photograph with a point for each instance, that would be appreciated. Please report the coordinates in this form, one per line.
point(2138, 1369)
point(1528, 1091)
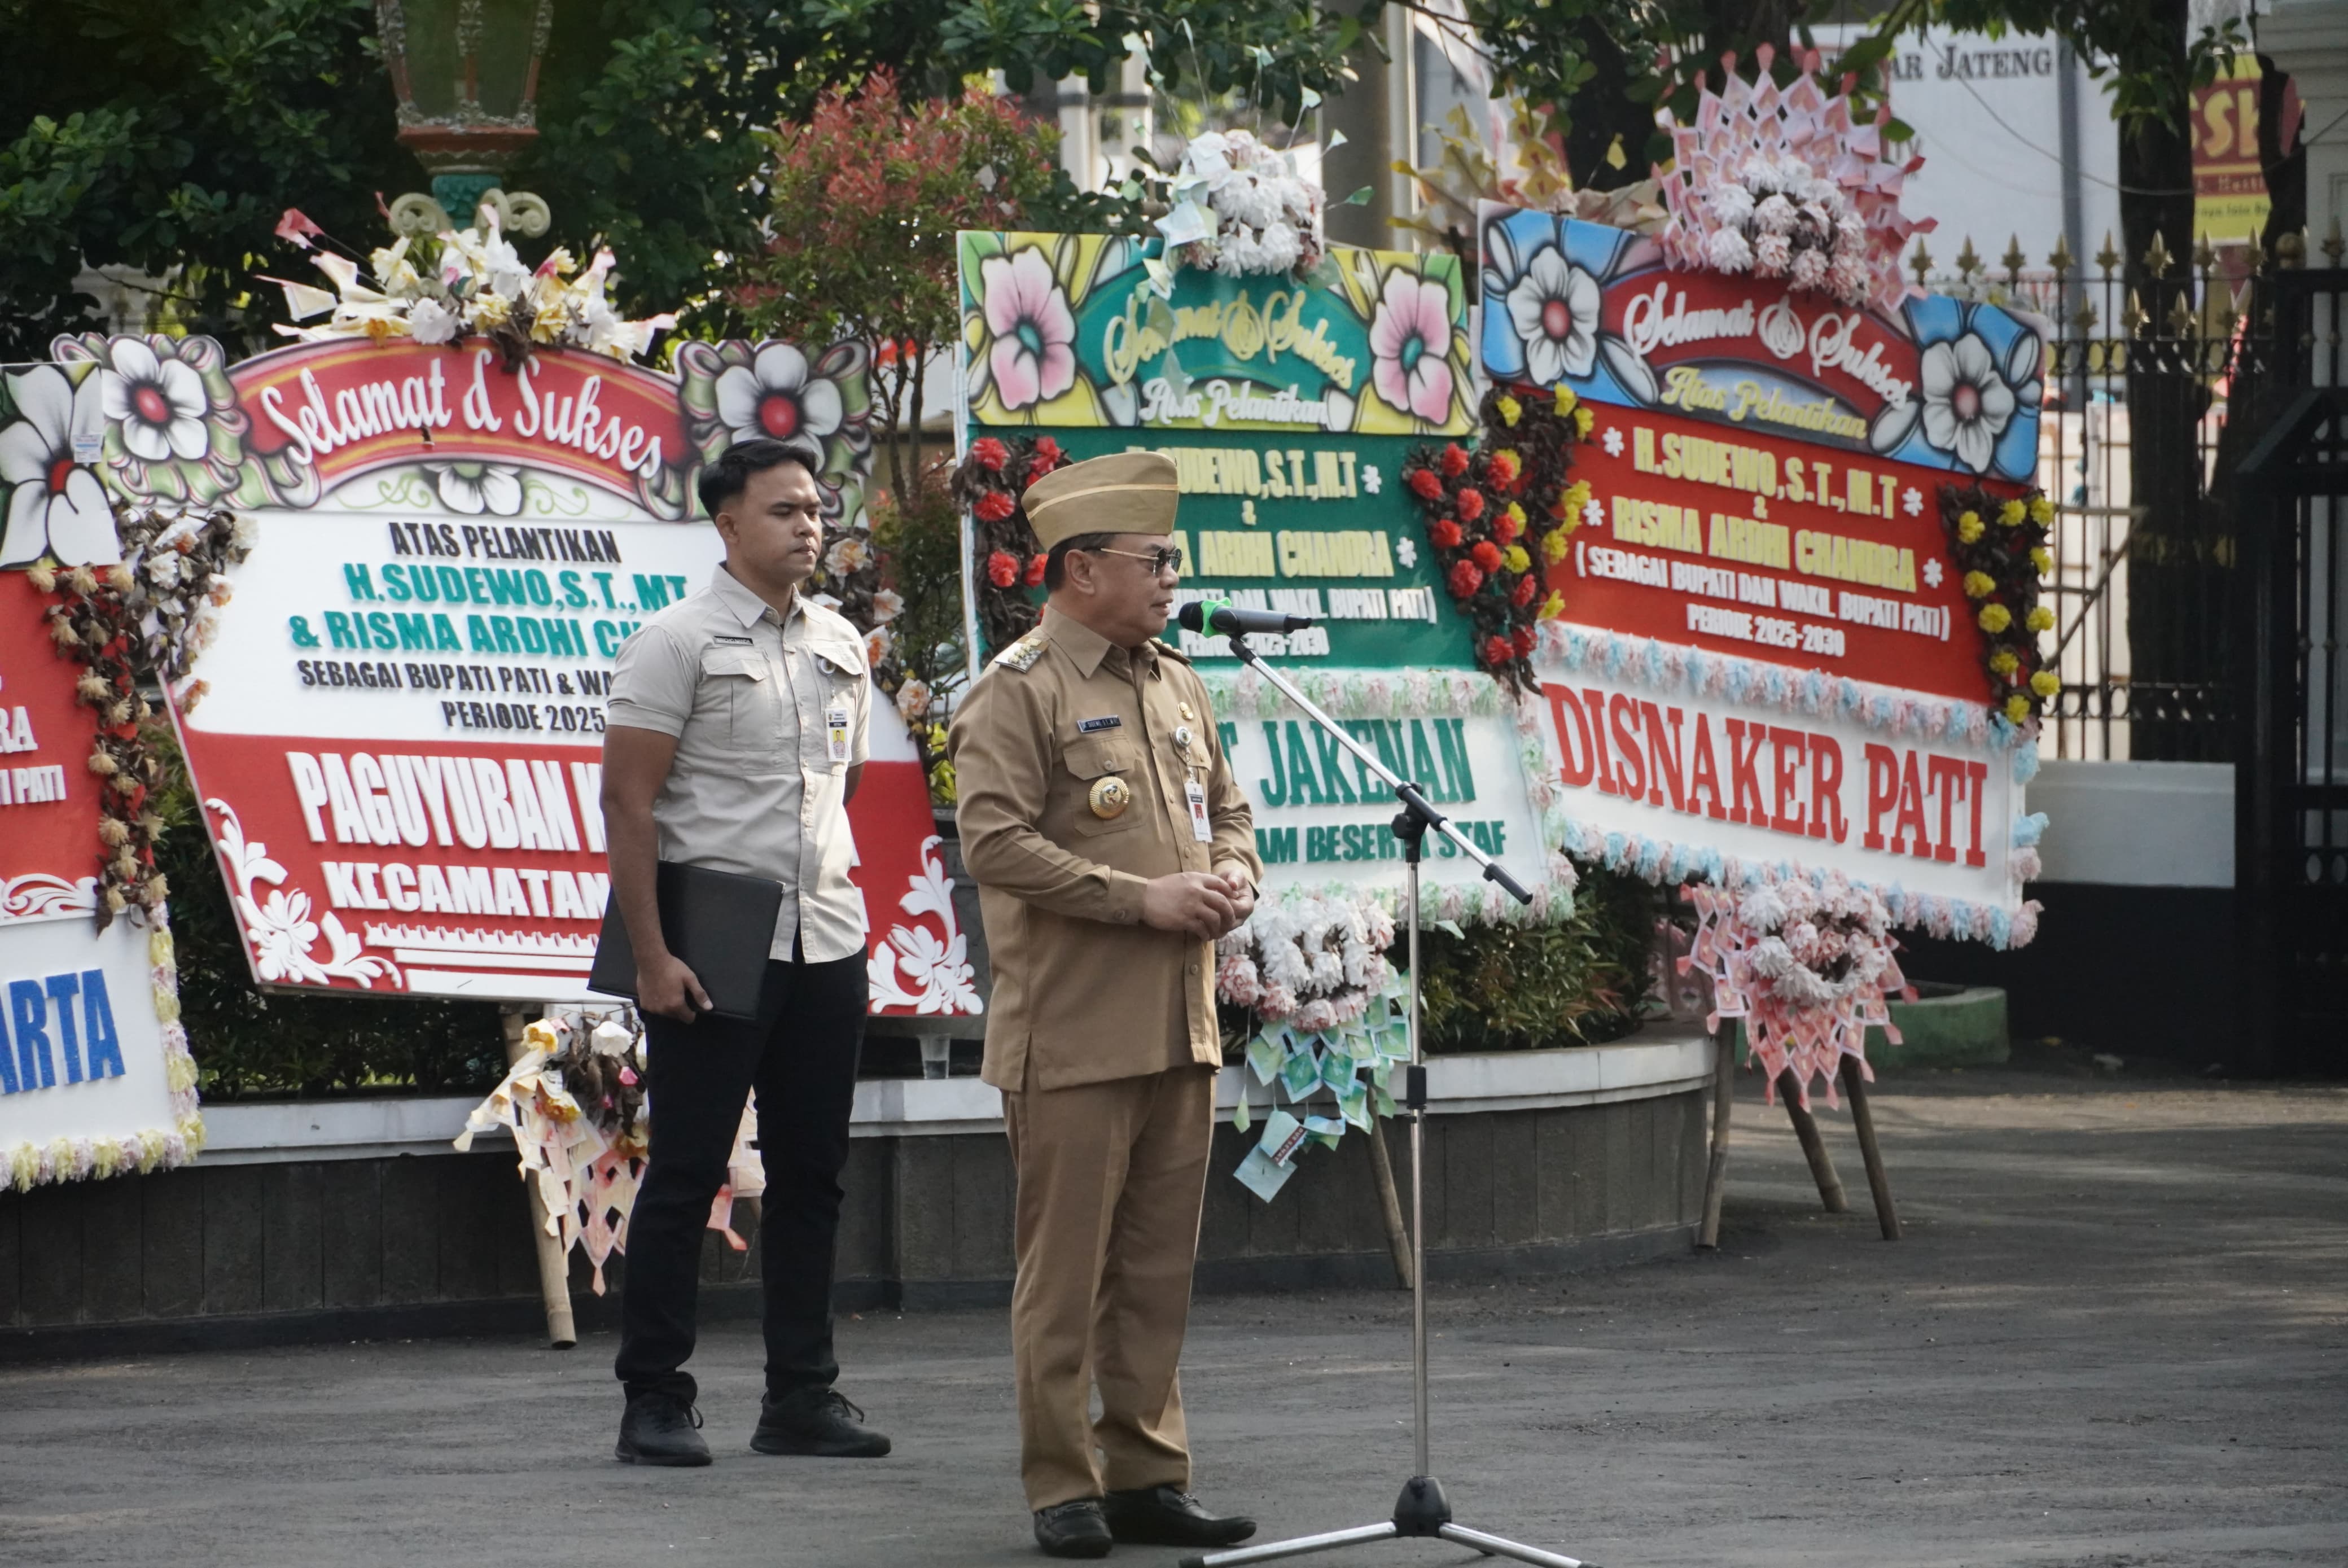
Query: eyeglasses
point(1157, 560)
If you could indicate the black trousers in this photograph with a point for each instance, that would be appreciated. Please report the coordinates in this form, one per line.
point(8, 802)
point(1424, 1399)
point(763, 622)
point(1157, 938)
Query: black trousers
point(799, 1055)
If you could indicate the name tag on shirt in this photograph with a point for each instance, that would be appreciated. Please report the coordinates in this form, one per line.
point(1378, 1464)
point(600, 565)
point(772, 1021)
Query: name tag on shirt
point(731, 642)
point(835, 722)
point(1196, 793)
point(1087, 725)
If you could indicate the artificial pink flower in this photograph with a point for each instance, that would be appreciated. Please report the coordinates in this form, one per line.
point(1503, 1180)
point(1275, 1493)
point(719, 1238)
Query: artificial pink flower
point(1034, 356)
point(1410, 346)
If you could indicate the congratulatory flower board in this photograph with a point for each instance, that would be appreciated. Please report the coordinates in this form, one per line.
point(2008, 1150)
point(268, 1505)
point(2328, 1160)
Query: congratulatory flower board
point(395, 707)
point(1769, 649)
point(1289, 407)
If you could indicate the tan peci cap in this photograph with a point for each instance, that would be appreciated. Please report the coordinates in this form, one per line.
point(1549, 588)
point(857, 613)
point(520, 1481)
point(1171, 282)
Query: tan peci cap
point(1125, 492)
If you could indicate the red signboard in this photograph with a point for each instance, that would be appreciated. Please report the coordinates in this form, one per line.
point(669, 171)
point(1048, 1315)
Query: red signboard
point(1752, 544)
point(49, 798)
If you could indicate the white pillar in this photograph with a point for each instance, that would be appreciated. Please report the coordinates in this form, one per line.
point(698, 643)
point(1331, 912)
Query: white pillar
point(2309, 39)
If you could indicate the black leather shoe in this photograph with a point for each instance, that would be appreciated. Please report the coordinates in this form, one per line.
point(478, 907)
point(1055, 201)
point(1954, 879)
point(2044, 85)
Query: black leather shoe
point(1164, 1516)
point(818, 1421)
point(661, 1430)
point(1073, 1529)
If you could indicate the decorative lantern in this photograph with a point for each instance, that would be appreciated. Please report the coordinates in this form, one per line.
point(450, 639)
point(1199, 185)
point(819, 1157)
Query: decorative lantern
point(466, 75)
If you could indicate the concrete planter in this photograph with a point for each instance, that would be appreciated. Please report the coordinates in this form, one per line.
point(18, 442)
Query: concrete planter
point(354, 1218)
point(1945, 1026)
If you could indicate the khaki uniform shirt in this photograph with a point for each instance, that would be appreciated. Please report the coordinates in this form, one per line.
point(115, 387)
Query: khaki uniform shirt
point(769, 714)
point(1084, 992)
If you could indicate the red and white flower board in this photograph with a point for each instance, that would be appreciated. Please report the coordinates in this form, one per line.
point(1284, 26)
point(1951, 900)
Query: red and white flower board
point(395, 734)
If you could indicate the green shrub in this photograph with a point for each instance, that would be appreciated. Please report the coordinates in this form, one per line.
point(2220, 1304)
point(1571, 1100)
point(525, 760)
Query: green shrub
point(1520, 988)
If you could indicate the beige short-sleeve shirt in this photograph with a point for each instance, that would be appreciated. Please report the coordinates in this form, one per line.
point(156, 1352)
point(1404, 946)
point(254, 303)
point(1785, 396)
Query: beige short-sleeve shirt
point(769, 714)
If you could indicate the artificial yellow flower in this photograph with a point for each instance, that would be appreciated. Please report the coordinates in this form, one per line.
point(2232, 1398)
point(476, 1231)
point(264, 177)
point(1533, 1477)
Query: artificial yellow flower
point(2045, 683)
point(1979, 585)
point(2042, 510)
point(1515, 559)
point(1995, 618)
point(1553, 606)
point(490, 309)
point(2017, 708)
point(1581, 423)
point(1554, 546)
point(1566, 400)
point(2012, 513)
point(1517, 515)
point(1577, 496)
point(2044, 559)
point(2040, 619)
point(1969, 527)
point(2004, 661)
point(1510, 410)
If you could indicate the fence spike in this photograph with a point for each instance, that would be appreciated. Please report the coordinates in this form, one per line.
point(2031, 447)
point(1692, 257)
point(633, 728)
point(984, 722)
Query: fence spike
point(2254, 256)
point(2060, 258)
point(2205, 255)
point(2334, 246)
point(2156, 259)
point(2133, 318)
point(1920, 263)
point(2183, 321)
point(2086, 317)
point(1968, 262)
point(2014, 258)
point(2107, 258)
point(2291, 250)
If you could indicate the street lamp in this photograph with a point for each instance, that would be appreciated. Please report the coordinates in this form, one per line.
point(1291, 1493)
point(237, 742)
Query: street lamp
point(466, 75)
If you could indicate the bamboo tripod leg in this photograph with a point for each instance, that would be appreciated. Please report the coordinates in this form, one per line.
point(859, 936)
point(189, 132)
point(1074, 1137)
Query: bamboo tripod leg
point(1862, 1121)
point(553, 1261)
point(1715, 1178)
point(1814, 1147)
point(1390, 1203)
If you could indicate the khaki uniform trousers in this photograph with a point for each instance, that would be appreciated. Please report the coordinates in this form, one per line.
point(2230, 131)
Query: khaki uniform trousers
point(1111, 1179)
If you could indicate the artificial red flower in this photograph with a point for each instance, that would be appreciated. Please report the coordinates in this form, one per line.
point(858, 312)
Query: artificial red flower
point(1466, 578)
point(1454, 460)
point(994, 506)
point(1505, 527)
point(1003, 568)
point(1485, 554)
point(1496, 652)
point(1443, 532)
point(1471, 505)
point(1504, 468)
point(1522, 594)
point(1034, 578)
point(1047, 457)
point(990, 453)
point(1424, 485)
point(1522, 639)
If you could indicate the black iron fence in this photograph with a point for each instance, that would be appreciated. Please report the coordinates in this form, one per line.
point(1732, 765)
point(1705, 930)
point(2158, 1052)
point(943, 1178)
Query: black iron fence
point(2161, 374)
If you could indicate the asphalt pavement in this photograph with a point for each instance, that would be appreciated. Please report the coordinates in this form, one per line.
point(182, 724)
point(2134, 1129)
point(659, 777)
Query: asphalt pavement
point(2115, 1336)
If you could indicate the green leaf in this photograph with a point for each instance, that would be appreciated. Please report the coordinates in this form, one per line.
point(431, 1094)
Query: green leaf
point(1360, 198)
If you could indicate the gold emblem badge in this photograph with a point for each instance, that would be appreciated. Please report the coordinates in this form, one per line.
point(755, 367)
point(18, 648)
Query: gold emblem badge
point(1187, 713)
point(1110, 797)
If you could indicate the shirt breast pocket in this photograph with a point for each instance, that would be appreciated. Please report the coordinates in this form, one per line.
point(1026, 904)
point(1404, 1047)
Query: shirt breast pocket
point(1108, 780)
point(837, 673)
point(737, 698)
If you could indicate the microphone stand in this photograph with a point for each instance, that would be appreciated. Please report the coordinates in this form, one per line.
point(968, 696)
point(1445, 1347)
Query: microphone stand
point(1422, 1509)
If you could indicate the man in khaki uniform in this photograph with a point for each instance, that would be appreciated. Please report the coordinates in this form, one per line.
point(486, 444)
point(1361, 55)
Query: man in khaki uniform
point(1111, 846)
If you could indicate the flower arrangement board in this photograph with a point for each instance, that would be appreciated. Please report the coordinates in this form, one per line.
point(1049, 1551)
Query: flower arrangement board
point(1771, 646)
point(95, 1076)
point(393, 715)
point(1290, 408)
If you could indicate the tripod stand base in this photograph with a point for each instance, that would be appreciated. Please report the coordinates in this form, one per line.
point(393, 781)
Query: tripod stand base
point(1422, 1510)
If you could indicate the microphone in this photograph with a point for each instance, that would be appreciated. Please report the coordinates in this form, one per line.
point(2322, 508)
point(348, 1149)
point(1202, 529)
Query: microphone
point(1217, 615)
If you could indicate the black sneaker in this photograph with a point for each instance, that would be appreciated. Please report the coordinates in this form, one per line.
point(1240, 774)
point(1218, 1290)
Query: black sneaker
point(1074, 1528)
point(1165, 1516)
point(661, 1430)
point(819, 1422)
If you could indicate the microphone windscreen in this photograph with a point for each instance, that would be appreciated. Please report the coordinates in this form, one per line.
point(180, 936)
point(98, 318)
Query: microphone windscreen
point(1192, 617)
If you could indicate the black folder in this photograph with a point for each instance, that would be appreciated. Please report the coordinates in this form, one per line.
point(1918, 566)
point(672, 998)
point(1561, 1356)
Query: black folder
point(721, 923)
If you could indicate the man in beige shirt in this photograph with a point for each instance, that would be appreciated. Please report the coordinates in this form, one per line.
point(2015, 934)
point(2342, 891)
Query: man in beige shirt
point(737, 721)
point(1111, 846)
